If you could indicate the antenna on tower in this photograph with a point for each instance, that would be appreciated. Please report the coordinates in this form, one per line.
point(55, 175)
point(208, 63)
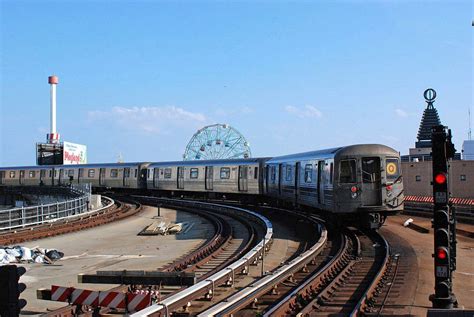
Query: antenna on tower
point(469, 134)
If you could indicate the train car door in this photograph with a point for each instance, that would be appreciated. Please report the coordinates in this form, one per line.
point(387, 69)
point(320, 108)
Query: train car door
point(22, 177)
point(80, 175)
point(61, 176)
point(102, 176)
point(209, 177)
point(126, 177)
point(180, 177)
point(243, 178)
point(280, 174)
point(2, 177)
point(156, 176)
point(267, 175)
point(320, 186)
point(371, 181)
point(42, 176)
point(297, 181)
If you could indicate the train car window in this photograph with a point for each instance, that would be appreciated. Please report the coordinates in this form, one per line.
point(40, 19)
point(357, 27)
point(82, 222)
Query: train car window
point(32, 174)
point(114, 173)
point(81, 172)
point(50, 173)
point(225, 172)
point(167, 172)
point(42, 173)
point(193, 173)
point(55, 173)
point(136, 172)
point(331, 172)
point(308, 172)
point(289, 175)
point(347, 171)
point(22, 174)
point(91, 173)
point(255, 173)
point(12, 174)
point(70, 173)
point(370, 169)
point(417, 178)
point(272, 174)
point(392, 168)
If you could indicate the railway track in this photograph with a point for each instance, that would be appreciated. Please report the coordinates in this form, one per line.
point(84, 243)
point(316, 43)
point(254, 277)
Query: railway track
point(115, 210)
point(346, 284)
point(331, 274)
point(232, 237)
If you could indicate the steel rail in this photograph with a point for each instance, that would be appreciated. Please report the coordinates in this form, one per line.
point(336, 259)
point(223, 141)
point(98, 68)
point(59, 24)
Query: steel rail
point(373, 285)
point(246, 295)
point(307, 286)
point(208, 285)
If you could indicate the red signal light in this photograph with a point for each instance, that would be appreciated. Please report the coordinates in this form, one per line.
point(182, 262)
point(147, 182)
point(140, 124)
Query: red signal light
point(441, 254)
point(440, 178)
point(389, 187)
point(354, 189)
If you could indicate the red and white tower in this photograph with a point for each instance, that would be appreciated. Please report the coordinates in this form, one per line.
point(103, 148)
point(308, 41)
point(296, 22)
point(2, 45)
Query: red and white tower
point(53, 137)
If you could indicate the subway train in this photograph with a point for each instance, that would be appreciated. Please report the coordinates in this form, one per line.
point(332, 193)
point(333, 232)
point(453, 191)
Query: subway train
point(360, 183)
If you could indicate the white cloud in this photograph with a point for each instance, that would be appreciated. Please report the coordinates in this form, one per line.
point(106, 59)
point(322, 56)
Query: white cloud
point(401, 113)
point(149, 119)
point(304, 112)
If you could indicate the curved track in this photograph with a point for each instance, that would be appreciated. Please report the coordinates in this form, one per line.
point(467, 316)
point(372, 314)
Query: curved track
point(115, 210)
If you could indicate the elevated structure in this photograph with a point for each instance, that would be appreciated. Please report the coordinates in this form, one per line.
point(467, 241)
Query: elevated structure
point(55, 152)
point(430, 119)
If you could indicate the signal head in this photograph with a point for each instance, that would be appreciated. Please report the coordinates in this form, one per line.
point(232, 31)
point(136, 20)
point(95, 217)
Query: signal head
point(440, 178)
point(441, 253)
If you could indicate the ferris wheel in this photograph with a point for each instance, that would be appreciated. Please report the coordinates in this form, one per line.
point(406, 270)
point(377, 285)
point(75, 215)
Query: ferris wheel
point(217, 141)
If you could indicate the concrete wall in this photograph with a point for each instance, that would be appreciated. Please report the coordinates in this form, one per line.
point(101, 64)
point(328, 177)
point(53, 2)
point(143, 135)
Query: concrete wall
point(423, 172)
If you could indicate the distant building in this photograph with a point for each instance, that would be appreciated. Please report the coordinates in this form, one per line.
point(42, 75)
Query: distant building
point(468, 150)
point(417, 168)
point(422, 150)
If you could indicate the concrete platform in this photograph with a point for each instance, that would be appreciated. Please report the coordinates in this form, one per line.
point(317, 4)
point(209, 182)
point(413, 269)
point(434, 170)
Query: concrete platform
point(419, 281)
point(114, 246)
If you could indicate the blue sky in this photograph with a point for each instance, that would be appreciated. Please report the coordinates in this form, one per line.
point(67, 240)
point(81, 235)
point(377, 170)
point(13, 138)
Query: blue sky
point(140, 77)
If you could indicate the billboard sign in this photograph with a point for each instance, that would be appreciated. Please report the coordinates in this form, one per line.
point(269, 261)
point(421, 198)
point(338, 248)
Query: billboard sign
point(74, 153)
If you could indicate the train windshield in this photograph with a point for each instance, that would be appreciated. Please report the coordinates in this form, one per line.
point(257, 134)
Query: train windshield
point(347, 171)
point(370, 169)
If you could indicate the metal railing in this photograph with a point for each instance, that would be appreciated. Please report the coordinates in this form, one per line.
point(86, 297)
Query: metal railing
point(21, 217)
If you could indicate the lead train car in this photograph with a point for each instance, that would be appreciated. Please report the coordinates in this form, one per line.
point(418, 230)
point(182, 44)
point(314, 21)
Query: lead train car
point(210, 177)
point(361, 182)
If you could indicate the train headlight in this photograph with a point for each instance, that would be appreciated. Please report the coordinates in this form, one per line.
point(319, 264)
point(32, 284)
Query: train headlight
point(354, 195)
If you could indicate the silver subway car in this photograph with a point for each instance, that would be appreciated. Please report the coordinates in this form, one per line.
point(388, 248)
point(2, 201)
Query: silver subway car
point(118, 175)
point(216, 176)
point(362, 180)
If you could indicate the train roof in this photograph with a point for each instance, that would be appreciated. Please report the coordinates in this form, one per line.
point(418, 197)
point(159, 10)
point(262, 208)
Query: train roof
point(356, 149)
point(209, 162)
point(40, 167)
point(326, 153)
point(363, 149)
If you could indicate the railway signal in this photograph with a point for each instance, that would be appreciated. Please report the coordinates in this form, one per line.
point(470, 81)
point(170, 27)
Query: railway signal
point(10, 290)
point(443, 220)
